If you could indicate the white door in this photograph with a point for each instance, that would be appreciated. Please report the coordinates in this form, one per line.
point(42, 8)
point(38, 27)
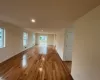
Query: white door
point(68, 46)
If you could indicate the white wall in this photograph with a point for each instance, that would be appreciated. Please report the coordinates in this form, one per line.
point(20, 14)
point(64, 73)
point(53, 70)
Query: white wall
point(54, 39)
point(86, 51)
point(50, 40)
point(14, 41)
point(60, 43)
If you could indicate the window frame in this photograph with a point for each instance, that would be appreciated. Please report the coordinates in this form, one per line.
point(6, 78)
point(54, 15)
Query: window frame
point(3, 38)
point(25, 39)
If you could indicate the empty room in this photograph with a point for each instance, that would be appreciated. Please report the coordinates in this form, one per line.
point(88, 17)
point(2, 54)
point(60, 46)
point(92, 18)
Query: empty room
point(49, 39)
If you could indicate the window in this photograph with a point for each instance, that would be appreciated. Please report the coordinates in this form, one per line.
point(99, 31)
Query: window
point(2, 36)
point(25, 39)
point(33, 39)
point(42, 40)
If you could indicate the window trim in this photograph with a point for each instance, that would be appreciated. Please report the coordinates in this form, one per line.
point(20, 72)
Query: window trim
point(24, 33)
point(3, 41)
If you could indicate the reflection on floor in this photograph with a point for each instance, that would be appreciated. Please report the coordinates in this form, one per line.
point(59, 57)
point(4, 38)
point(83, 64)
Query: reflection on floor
point(35, 64)
point(42, 49)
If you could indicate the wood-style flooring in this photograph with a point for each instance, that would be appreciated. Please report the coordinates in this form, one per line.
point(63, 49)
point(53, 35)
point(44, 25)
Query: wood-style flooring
point(38, 63)
point(68, 64)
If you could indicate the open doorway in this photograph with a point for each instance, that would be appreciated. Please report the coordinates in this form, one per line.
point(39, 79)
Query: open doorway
point(43, 40)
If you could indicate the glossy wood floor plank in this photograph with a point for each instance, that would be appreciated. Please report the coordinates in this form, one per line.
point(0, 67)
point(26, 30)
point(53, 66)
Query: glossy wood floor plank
point(39, 63)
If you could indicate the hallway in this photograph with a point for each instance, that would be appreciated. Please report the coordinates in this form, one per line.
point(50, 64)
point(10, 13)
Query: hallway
point(38, 63)
point(49, 39)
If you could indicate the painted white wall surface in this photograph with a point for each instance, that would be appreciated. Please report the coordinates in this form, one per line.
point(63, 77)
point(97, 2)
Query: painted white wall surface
point(68, 44)
point(86, 49)
point(60, 43)
point(62, 39)
point(50, 38)
point(13, 41)
point(54, 39)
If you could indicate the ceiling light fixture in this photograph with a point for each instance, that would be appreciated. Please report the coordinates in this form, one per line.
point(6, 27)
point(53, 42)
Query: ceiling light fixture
point(33, 20)
point(42, 30)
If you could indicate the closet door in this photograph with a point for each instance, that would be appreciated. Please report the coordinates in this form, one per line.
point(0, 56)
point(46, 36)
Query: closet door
point(68, 46)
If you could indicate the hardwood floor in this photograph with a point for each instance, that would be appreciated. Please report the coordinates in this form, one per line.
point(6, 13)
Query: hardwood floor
point(68, 64)
point(38, 63)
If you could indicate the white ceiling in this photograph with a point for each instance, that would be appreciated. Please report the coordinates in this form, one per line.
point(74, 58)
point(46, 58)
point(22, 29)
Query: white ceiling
point(50, 15)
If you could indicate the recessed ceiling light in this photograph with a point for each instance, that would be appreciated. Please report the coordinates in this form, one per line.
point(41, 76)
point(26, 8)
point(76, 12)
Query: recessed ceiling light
point(41, 30)
point(33, 20)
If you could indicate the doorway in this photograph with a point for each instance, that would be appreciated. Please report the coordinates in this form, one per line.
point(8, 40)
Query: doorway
point(43, 40)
